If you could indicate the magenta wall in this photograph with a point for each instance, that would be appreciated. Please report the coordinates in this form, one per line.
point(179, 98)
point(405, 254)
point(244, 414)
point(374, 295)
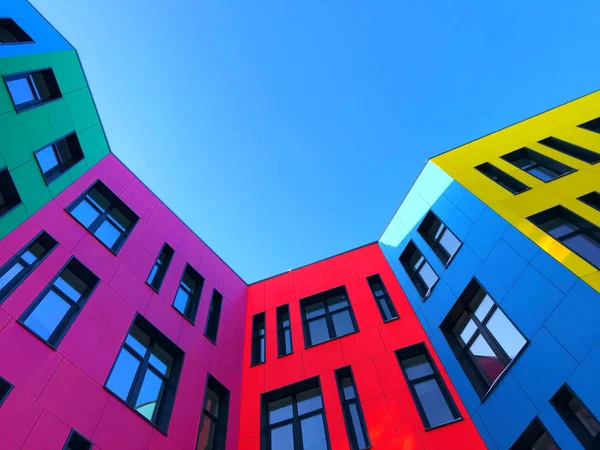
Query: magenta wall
point(55, 391)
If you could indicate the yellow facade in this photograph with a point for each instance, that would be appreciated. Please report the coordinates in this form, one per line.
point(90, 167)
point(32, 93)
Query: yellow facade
point(562, 123)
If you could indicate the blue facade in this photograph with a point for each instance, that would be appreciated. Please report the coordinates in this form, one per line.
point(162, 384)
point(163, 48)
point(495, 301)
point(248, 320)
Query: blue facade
point(555, 310)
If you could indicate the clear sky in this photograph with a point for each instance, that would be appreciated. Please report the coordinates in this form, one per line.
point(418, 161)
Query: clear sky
point(283, 132)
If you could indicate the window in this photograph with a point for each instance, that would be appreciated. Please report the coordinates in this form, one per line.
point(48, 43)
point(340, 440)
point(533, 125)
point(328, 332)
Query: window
point(419, 270)
point(483, 339)
point(284, 331)
point(214, 314)
point(76, 441)
point(508, 182)
point(146, 373)
point(382, 298)
point(433, 401)
point(258, 339)
point(538, 165)
point(592, 199)
point(159, 270)
point(213, 425)
point(32, 89)
point(353, 416)
point(24, 263)
point(572, 150)
point(592, 125)
point(9, 197)
point(293, 418)
point(53, 312)
point(584, 425)
point(574, 232)
point(439, 237)
point(5, 388)
point(535, 437)
point(187, 297)
point(57, 158)
point(326, 316)
point(104, 215)
point(11, 33)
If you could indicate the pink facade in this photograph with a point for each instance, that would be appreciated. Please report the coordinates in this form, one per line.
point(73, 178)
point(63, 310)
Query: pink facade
point(57, 390)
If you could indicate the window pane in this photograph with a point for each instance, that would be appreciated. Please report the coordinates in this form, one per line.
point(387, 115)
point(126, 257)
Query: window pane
point(313, 433)
point(417, 367)
point(47, 315)
point(152, 274)
point(98, 199)
point(545, 442)
point(505, 333)
point(64, 151)
point(160, 359)
point(35, 251)
point(46, 159)
point(70, 285)
point(309, 400)
point(336, 303)
point(282, 438)
point(385, 307)
point(558, 227)
point(584, 415)
point(314, 310)
point(85, 213)
point(188, 283)
point(416, 259)
point(119, 219)
point(465, 328)
point(318, 331)
point(207, 433)
point(348, 388)
point(123, 373)
point(449, 242)
point(149, 394)
point(280, 410)
point(377, 289)
point(481, 305)
point(542, 173)
point(428, 275)
point(108, 233)
point(486, 359)
point(358, 431)
point(181, 300)
point(12, 272)
point(433, 402)
point(585, 247)
point(138, 340)
point(20, 91)
point(212, 402)
point(287, 339)
point(342, 322)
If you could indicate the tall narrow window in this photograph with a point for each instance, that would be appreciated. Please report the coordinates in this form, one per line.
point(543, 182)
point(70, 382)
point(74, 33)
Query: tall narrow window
point(293, 418)
point(592, 199)
point(57, 158)
point(76, 441)
point(32, 89)
point(5, 388)
point(584, 425)
point(11, 33)
point(433, 401)
point(258, 339)
point(9, 196)
point(483, 339)
point(53, 312)
point(508, 182)
point(24, 263)
point(535, 437)
point(104, 215)
point(326, 316)
point(592, 125)
point(213, 425)
point(419, 270)
point(382, 298)
point(159, 270)
point(574, 232)
point(146, 373)
point(537, 165)
point(575, 151)
point(353, 416)
point(214, 314)
point(439, 237)
point(187, 297)
point(284, 331)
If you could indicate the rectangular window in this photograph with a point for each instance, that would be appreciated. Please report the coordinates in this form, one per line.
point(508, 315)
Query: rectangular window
point(574, 232)
point(258, 339)
point(104, 215)
point(146, 373)
point(11, 33)
point(508, 182)
point(24, 263)
point(76, 441)
point(592, 125)
point(482, 338)
point(535, 437)
point(327, 316)
point(382, 298)
point(9, 196)
point(439, 237)
point(537, 165)
point(433, 401)
point(419, 270)
point(592, 199)
point(284, 331)
point(293, 418)
point(353, 416)
point(32, 89)
point(187, 297)
point(159, 270)
point(584, 425)
point(5, 388)
point(213, 425)
point(575, 151)
point(55, 159)
point(214, 314)
point(53, 312)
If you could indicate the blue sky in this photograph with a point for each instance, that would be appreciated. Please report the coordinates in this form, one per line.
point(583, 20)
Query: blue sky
point(283, 132)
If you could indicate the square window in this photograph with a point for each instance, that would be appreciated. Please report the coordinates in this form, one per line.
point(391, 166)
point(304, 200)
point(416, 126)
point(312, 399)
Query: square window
point(57, 158)
point(536, 164)
point(582, 422)
point(9, 197)
point(12, 33)
point(5, 388)
point(31, 89)
point(76, 441)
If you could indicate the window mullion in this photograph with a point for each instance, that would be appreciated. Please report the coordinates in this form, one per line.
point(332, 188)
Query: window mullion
point(296, 428)
point(98, 221)
point(139, 378)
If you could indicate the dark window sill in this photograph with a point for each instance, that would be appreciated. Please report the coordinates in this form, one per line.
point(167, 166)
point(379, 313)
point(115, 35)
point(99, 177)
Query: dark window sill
point(10, 209)
point(52, 346)
point(144, 418)
point(393, 319)
point(504, 372)
point(213, 341)
point(193, 322)
point(330, 340)
point(257, 364)
point(153, 288)
point(22, 109)
point(452, 422)
point(287, 354)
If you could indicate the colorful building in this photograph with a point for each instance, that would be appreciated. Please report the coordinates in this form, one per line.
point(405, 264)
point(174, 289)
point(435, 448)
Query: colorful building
point(470, 324)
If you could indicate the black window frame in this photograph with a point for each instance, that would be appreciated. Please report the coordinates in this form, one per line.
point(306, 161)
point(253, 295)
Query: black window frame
point(75, 308)
point(49, 79)
point(9, 190)
point(213, 318)
point(221, 419)
point(325, 297)
point(17, 32)
point(560, 401)
point(191, 307)
point(282, 329)
point(114, 203)
point(5, 389)
point(385, 298)
point(413, 272)
point(502, 179)
point(72, 142)
point(258, 352)
point(340, 375)
point(166, 402)
point(534, 431)
point(591, 125)
point(74, 434)
point(537, 160)
point(436, 242)
point(570, 149)
point(592, 199)
point(163, 267)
